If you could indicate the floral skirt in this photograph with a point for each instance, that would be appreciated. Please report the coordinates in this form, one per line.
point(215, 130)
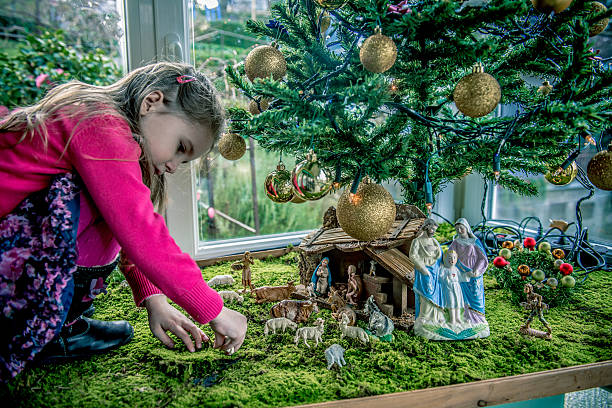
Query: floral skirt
point(37, 261)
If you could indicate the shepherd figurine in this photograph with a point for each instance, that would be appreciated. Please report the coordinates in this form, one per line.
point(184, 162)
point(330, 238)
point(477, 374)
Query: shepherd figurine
point(245, 266)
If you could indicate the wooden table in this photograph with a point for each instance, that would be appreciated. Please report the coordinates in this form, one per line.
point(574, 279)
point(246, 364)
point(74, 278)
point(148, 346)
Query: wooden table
point(490, 392)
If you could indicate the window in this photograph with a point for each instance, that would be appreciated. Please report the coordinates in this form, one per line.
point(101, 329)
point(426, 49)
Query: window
point(559, 202)
point(88, 25)
point(234, 212)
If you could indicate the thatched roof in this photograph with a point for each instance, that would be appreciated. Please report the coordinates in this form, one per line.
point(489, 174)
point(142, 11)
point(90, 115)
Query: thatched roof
point(325, 239)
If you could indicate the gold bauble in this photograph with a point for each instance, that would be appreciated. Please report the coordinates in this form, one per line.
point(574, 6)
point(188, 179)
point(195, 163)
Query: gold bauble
point(264, 61)
point(378, 52)
point(563, 177)
point(231, 146)
point(310, 180)
point(297, 200)
point(254, 108)
point(546, 88)
point(599, 169)
point(278, 185)
point(477, 94)
point(368, 214)
point(331, 4)
point(600, 25)
point(546, 6)
point(325, 21)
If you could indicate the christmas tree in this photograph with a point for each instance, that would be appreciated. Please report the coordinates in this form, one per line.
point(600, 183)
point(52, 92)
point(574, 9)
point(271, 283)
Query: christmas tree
point(409, 91)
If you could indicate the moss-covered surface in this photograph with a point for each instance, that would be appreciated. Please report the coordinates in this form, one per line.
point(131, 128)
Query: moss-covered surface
point(273, 371)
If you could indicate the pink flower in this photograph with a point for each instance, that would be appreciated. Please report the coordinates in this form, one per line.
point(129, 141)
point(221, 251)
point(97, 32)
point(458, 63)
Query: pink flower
point(59, 71)
point(41, 78)
point(4, 111)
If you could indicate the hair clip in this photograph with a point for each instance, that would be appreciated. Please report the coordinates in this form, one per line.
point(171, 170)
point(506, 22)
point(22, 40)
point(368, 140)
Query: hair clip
point(183, 79)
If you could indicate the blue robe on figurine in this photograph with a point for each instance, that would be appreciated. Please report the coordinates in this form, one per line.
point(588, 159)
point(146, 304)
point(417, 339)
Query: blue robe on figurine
point(315, 278)
point(427, 287)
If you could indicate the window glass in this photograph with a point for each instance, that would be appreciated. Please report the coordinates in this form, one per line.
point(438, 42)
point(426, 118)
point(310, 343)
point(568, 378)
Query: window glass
point(87, 24)
point(231, 199)
point(559, 203)
point(46, 43)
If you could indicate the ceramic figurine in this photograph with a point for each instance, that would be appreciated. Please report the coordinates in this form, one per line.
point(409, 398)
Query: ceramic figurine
point(279, 323)
point(334, 354)
point(378, 324)
point(312, 333)
point(372, 267)
point(273, 293)
point(245, 266)
point(355, 286)
point(230, 296)
point(452, 295)
point(449, 302)
point(536, 306)
point(426, 255)
point(352, 332)
point(335, 300)
point(296, 310)
point(311, 290)
point(321, 278)
point(221, 280)
point(471, 259)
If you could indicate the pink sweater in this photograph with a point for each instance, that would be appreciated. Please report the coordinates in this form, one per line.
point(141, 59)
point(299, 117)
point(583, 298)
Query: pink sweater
point(116, 209)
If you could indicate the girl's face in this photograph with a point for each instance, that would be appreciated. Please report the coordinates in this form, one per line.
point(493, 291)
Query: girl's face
point(171, 138)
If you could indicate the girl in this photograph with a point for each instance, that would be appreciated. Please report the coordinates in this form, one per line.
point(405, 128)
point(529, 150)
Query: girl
point(80, 173)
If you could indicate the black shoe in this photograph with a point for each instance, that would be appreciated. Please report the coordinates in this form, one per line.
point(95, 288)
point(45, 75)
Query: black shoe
point(84, 338)
point(89, 311)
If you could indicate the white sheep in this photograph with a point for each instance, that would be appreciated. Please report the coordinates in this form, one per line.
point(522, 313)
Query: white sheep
point(313, 333)
point(353, 332)
point(220, 280)
point(334, 355)
point(231, 296)
point(278, 324)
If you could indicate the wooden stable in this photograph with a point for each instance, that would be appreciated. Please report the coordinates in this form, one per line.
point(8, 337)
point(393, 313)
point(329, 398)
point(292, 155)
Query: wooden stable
point(392, 283)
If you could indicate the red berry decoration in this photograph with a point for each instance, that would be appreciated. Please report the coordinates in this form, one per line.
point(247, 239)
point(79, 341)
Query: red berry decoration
point(529, 243)
point(500, 262)
point(566, 269)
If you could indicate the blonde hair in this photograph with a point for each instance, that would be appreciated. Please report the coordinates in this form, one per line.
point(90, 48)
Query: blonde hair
point(196, 99)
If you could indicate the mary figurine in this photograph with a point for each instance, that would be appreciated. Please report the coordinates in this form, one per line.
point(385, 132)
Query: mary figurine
point(321, 278)
point(472, 260)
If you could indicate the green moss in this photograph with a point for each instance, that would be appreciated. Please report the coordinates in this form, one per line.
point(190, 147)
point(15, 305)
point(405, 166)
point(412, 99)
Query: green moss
point(273, 371)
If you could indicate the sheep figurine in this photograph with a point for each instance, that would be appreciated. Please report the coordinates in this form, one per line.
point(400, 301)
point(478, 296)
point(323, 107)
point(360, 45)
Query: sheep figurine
point(353, 332)
point(334, 354)
point(279, 323)
point(221, 280)
point(231, 296)
point(313, 333)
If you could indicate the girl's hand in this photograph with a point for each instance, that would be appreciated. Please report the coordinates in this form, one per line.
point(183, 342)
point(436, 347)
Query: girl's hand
point(164, 317)
point(230, 330)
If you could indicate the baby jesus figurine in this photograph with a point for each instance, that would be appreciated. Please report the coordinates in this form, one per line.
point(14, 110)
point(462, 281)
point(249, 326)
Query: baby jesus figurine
point(354, 286)
point(450, 278)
